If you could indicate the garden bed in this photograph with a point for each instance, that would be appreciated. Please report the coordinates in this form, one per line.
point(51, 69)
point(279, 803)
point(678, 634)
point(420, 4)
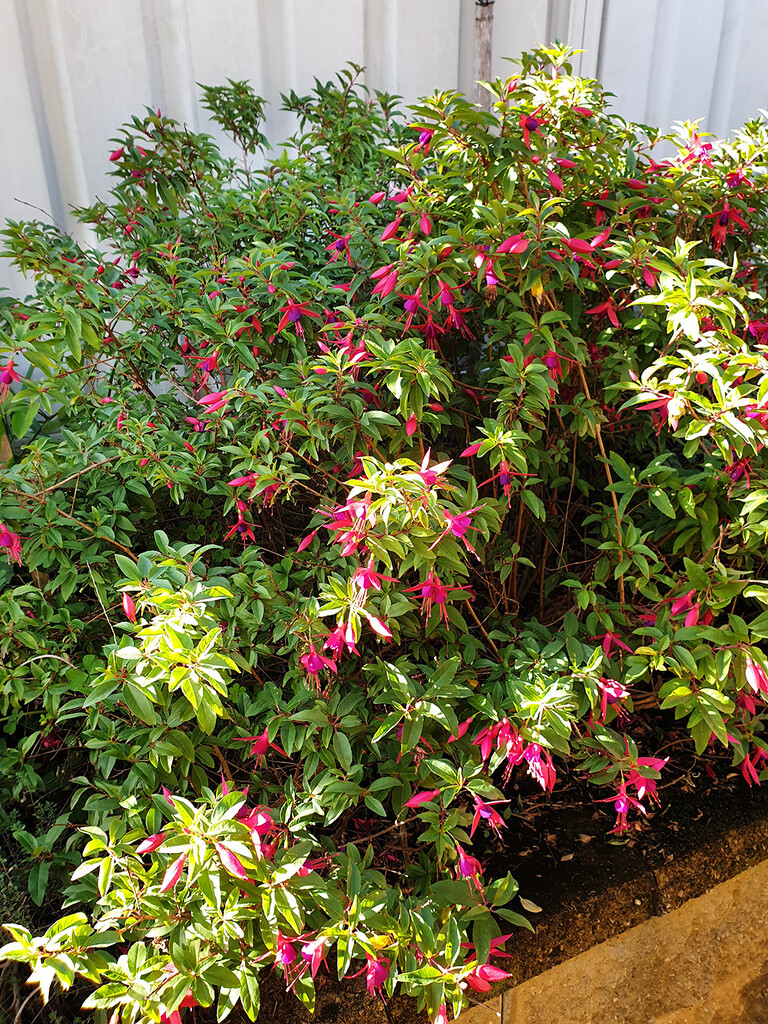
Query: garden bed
point(589, 890)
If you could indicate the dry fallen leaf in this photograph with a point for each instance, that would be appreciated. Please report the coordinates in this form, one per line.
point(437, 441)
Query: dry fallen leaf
point(529, 906)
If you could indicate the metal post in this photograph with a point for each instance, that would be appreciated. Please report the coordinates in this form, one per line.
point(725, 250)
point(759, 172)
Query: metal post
point(483, 50)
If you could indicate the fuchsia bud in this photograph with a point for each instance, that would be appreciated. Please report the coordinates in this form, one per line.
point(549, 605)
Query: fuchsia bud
point(129, 607)
point(307, 541)
point(516, 244)
point(480, 979)
point(424, 797)
point(117, 154)
point(377, 972)
point(411, 425)
point(377, 197)
point(472, 450)
point(391, 229)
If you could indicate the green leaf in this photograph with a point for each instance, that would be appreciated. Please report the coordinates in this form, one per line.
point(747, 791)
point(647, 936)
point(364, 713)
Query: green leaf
point(138, 702)
point(660, 499)
point(38, 880)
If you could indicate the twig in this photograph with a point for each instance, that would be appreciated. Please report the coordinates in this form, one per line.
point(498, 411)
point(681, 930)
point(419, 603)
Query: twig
point(483, 630)
point(601, 446)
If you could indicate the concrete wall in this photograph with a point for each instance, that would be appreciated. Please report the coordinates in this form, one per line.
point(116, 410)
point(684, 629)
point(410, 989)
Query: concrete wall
point(71, 71)
point(704, 963)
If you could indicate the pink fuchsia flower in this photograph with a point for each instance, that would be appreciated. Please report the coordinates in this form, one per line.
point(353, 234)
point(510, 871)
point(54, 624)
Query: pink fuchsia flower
point(351, 523)
point(458, 526)
point(540, 766)
point(750, 766)
point(755, 676)
point(367, 579)
point(197, 425)
point(314, 663)
point(376, 973)
point(555, 181)
point(7, 376)
point(645, 786)
point(249, 480)
point(285, 951)
point(433, 592)
point(175, 1017)
point(342, 636)
point(339, 247)
point(292, 313)
point(412, 304)
point(261, 745)
point(442, 1015)
point(386, 281)
point(481, 978)
point(314, 954)
point(151, 843)
point(461, 731)
point(425, 138)
point(671, 408)
point(609, 640)
point(682, 603)
point(737, 178)
point(244, 528)
point(469, 867)
point(486, 812)
point(173, 873)
point(531, 123)
point(622, 803)
point(307, 541)
point(430, 474)
point(726, 222)
point(611, 693)
point(10, 542)
point(258, 821)
point(607, 308)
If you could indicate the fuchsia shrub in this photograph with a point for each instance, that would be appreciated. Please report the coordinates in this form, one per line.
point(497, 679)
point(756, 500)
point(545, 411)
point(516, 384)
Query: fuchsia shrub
point(349, 492)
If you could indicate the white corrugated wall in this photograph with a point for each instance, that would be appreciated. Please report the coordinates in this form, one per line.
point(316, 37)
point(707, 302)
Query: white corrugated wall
point(71, 71)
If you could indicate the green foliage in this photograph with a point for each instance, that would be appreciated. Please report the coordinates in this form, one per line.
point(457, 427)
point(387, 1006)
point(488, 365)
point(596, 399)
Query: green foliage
point(346, 488)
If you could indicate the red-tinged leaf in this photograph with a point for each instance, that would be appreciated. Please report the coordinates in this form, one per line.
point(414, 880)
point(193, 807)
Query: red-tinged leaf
point(173, 874)
point(230, 861)
point(378, 626)
point(151, 843)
